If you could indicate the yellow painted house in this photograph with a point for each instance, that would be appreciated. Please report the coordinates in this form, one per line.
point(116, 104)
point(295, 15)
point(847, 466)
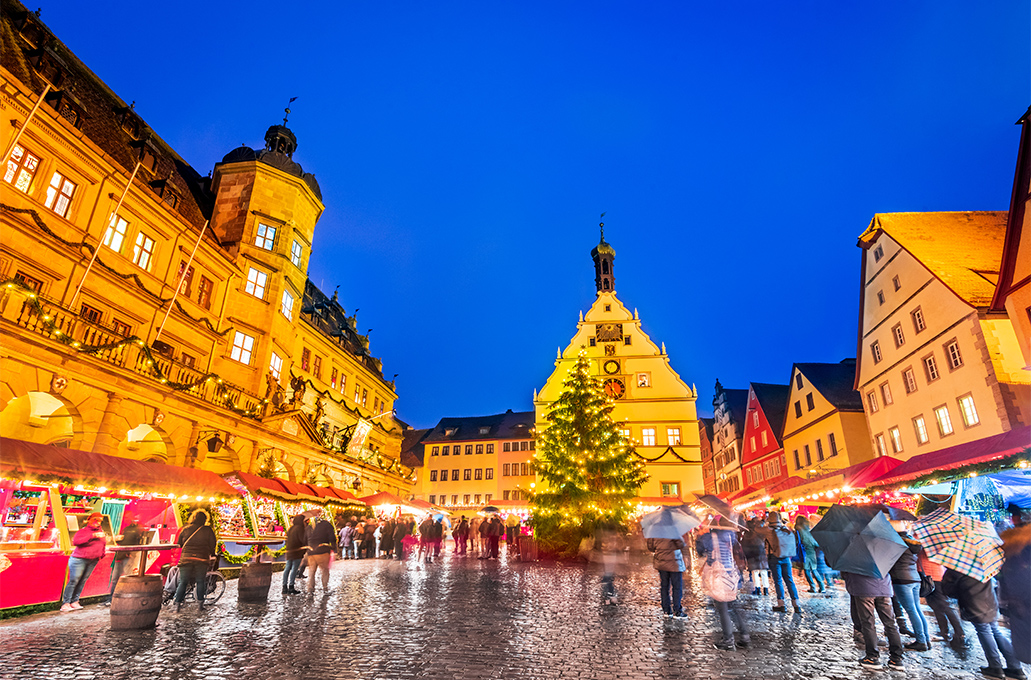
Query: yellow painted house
point(654, 406)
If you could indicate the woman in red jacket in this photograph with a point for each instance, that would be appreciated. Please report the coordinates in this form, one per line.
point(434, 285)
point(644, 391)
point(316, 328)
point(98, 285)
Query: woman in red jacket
point(90, 545)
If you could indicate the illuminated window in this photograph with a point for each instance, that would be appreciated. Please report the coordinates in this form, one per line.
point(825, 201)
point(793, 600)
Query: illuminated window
point(969, 413)
point(256, 282)
point(21, 167)
point(931, 368)
point(28, 281)
point(479, 474)
point(446, 451)
point(295, 253)
point(243, 344)
point(121, 328)
point(875, 351)
point(467, 474)
point(433, 478)
point(871, 402)
point(490, 448)
point(507, 446)
point(59, 194)
point(465, 499)
point(287, 307)
point(454, 475)
point(204, 291)
point(468, 449)
point(506, 470)
point(952, 354)
point(752, 443)
point(143, 251)
point(454, 499)
point(921, 430)
point(896, 439)
point(941, 414)
point(886, 394)
point(524, 469)
point(487, 497)
point(918, 319)
point(764, 438)
point(187, 359)
point(479, 448)
point(91, 314)
point(115, 234)
point(882, 448)
point(490, 473)
point(358, 396)
point(476, 498)
point(333, 378)
point(305, 359)
point(436, 451)
point(673, 436)
point(648, 436)
point(185, 278)
point(265, 237)
point(909, 380)
point(275, 365)
point(506, 494)
point(343, 382)
point(316, 366)
point(898, 335)
point(671, 489)
point(365, 397)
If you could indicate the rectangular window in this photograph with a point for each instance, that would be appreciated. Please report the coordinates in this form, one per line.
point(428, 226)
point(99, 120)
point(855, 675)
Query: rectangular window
point(909, 380)
point(91, 314)
point(871, 402)
point(358, 395)
point(955, 359)
point(187, 360)
point(265, 237)
point(886, 394)
point(507, 446)
point(479, 448)
point(755, 419)
point(809, 403)
point(506, 470)
point(343, 382)
point(433, 475)
point(878, 253)
point(875, 351)
point(185, 278)
point(819, 449)
point(751, 442)
point(798, 463)
point(21, 167)
point(968, 411)
point(489, 473)
point(524, 469)
point(490, 448)
point(433, 498)
point(316, 366)
point(931, 368)
point(243, 344)
point(673, 436)
point(896, 439)
point(880, 297)
point(478, 474)
point(764, 438)
point(882, 449)
point(295, 254)
point(626, 340)
point(918, 319)
point(454, 499)
point(476, 498)
point(435, 451)
point(524, 446)
point(506, 494)
point(671, 489)
point(921, 430)
point(941, 414)
point(287, 306)
point(27, 281)
point(204, 292)
point(333, 378)
point(446, 451)
point(256, 281)
point(365, 397)
point(898, 335)
point(454, 475)
point(626, 433)
point(748, 476)
point(121, 328)
point(465, 499)
point(808, 456)
point(798, 380)
point(487, 497)
point(592, 342)
point(59, 194)
point(798, 409)
point(648, 436)
point(275, 365)
point(468, 449)
point(467, 474)
point(305, 359)
point(143, 251)
point(115, 234)
point(896, 283)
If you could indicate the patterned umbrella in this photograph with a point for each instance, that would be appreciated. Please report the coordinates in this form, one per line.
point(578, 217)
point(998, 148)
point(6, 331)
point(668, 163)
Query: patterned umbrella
point(966, 545)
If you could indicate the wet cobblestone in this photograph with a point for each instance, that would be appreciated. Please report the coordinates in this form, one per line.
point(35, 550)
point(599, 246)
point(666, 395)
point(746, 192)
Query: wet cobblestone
point(458, 618)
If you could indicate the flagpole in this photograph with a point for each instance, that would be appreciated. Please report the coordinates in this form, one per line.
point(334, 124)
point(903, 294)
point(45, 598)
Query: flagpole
point(96, 251)
point(32, 114)
point(179, 281)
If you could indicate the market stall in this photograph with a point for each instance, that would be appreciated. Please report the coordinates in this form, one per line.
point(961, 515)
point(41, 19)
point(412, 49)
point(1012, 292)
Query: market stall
point(46, 494)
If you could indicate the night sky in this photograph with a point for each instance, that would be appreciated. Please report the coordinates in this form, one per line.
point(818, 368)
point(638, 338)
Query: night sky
point(466, 150)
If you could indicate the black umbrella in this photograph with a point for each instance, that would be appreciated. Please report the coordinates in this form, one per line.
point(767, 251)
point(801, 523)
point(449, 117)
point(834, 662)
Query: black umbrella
point(892, 512)
point(858, 540)
point(716, 504)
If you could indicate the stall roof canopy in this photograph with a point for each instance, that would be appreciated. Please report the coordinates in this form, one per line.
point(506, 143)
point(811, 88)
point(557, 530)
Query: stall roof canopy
point(261, 485)
point(381, 498)
point(980, 451)
point(292, 491)
point(46, 463)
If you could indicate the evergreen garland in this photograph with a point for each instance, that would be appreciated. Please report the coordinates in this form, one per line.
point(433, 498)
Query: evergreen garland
point(587, 470)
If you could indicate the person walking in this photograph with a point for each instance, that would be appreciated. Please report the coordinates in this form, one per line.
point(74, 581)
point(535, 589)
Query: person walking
point(90, 545)
point(611, 552)
point(1015, 584)
point(668, 560)
point(426, 539)
point(197, 541)
point(719, 546)
point(321, 546)
point(438, 536)
point(512, 524)
point(358, 538)
point(870, 598)
point(823, 572)
point(132, 534)
point(979, 606)
point(905, 582)
point(386, 539)
point(346, 541)
point(780, 542)
point(400, 531)
point(296, 547)
point(494, 530)
point(753, 545)
point(483, 530)
point(944, 613)
point(809, 546)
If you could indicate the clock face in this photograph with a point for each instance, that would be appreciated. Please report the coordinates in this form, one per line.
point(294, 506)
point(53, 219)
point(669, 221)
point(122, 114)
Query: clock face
point(611, 367)
point(614, 388)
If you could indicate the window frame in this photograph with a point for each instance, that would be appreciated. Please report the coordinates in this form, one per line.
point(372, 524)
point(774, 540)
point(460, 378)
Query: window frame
point(142, 256)
point(648, 436)
point(285, 309)
point(953, 354)
point(17, 168)
point(886, 397)
point(920, 428)
point(56, 193)
point(116, 232)
point(262, 239)
point(875, 351)
point(296, 253)
point(962, 402)
point(252, 286)
point(275, 365)
point(909, 380)
point(931, 372)
point(919, 323)
point(898, 335)
point(944, 422)
point(242, 351)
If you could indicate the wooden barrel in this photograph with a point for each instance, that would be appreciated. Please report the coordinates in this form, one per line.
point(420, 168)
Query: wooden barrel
point(255, 579)
point(136, 602)
point(527, 549)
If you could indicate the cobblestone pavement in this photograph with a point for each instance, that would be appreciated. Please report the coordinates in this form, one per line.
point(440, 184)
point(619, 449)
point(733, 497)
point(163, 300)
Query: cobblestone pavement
point(457, 618)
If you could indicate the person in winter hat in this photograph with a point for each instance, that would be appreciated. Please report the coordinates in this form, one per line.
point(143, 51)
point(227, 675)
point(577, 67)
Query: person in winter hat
point(90, 545)
point(668, 560)
point(780, 542)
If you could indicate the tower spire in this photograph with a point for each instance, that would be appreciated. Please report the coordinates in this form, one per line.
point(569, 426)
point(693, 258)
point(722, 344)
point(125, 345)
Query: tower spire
point(604, 257)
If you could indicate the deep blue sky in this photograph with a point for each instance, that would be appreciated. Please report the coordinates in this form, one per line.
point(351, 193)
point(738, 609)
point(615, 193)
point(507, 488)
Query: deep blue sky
point(465, 151)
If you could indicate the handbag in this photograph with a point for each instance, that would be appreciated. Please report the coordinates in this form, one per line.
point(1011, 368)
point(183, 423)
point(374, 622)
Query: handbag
point(717, 582)
point(926, 585)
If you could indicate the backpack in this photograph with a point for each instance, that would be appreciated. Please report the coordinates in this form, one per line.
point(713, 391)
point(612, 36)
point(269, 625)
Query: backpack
point(782, 542)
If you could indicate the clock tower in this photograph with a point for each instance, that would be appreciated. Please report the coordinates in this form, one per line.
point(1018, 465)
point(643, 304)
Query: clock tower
point(653, 406)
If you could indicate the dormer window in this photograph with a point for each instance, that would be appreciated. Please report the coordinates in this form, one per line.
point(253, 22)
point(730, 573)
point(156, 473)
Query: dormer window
point(484, 430)
point(148, 159)
point(878, 253)
point(171, 198)
point(66, 107)
point(449, 431)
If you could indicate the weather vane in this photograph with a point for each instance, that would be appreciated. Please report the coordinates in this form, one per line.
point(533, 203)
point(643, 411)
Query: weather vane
point(602, 225)
point(287, 109)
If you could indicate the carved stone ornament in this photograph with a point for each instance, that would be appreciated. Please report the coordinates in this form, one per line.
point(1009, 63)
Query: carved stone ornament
point(231, 439)
point(58, 383)
point(159, 418)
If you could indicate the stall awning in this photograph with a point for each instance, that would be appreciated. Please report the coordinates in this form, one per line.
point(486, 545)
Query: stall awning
point(658, 500)
point(980, 451)
point(300, 491)
point(856, 476)
point(46, 463)
point(381, 498)
point(262, 486)
point(344, 496)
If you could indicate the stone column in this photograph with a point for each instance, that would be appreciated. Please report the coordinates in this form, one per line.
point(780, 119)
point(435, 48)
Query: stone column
point(107, 439)
point(182, 453)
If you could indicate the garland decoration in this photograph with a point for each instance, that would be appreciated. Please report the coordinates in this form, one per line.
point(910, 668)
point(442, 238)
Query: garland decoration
point(1019, 461)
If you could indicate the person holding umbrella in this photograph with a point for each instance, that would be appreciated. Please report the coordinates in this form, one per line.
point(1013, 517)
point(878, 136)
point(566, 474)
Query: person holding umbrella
point(721, 579)
point(664, 530)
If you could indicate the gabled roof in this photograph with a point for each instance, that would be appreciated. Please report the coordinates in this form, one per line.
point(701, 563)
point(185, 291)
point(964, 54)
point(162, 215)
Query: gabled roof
point(507, 425)
point(836, 382)
point(1015, 218)
point(962, 249)
point(708, 424)
point(411, 447)
point(737, 405)
point(773, 399)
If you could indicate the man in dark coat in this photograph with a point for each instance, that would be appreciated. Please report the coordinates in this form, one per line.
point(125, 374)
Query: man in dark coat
point(322, 543)
point(132, 534)
point(977, 604)
point(872, 597)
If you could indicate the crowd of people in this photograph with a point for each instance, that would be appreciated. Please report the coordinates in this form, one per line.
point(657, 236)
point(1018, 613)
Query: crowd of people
point(738, 556)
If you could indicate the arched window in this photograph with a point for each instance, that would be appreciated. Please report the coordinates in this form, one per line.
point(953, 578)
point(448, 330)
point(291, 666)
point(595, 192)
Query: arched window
point(604, 266)
point(605, 284)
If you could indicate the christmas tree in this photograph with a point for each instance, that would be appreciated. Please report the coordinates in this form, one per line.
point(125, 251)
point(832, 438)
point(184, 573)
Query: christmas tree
point(587, 470)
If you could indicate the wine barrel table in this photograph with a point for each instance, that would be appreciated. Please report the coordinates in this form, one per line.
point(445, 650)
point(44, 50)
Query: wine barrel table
point(527, 549)
point(254, 582)
point(136, 602)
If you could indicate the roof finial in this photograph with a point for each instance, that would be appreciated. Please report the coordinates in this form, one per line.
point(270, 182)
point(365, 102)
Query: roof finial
point(287, 109)
point(602, 225)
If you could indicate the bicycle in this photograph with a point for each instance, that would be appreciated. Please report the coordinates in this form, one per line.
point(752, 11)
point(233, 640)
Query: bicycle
point(214, 580)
